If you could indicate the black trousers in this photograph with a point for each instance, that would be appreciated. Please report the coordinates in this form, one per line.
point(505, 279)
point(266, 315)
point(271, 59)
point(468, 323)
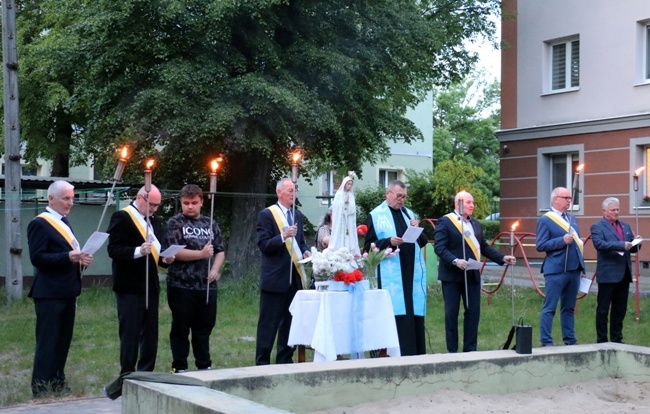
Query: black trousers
point(452, 294)
point(612, 297)
point(410, 331)
point(54, 328)
point(138, 330)
point(275, 319)
point(191, 313)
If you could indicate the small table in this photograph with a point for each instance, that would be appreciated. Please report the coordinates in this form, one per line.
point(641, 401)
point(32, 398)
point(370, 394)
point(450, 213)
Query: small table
point(322, 321)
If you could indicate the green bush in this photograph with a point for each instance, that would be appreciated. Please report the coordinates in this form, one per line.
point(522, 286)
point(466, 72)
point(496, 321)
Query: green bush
point(490, 229)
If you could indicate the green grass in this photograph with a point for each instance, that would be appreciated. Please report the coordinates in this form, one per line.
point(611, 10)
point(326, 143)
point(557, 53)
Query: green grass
point(94, 356)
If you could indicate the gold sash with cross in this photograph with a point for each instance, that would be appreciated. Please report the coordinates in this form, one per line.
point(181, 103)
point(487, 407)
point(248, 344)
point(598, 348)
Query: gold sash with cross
point(471, 240)
point(557, 219)
point(290, 242)
point(141, 224)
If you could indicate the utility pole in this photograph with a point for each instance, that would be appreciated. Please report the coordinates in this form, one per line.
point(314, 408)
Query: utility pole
point(13, 255)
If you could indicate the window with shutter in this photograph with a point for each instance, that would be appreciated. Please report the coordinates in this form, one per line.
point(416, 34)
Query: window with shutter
point(565, 65)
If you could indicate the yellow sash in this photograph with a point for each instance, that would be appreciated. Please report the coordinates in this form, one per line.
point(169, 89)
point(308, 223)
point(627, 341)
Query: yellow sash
point(290, 243)
point(471, 241)
point(565, 226)
point(138, 221)
point(58, 227)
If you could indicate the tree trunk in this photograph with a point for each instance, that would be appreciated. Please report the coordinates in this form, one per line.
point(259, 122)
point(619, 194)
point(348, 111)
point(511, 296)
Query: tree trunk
point(252, 179)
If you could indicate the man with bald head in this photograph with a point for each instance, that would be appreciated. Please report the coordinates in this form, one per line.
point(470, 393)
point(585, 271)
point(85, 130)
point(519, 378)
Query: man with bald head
point(130, 245)
point(458, 238)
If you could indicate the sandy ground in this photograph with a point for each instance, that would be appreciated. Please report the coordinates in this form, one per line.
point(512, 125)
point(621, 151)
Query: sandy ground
point(606, 396)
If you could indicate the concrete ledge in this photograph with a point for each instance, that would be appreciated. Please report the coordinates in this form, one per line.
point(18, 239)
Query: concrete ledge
point(155, 397)
point(302, 388)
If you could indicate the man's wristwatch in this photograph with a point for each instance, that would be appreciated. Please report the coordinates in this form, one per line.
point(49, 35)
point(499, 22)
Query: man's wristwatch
point(454, 262)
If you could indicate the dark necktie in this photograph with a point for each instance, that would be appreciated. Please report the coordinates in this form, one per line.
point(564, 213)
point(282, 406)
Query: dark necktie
point(66, 221)
point(564, 216)
point(289, 217)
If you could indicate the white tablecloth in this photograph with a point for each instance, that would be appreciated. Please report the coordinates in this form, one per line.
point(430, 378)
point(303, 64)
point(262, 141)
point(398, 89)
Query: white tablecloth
point(322, 320)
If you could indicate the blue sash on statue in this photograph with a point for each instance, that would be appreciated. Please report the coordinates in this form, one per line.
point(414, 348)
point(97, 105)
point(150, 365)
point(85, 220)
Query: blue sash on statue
point(390, 271)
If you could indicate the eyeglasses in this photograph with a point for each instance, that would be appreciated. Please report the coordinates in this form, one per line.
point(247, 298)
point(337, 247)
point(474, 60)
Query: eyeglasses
point(398, 196)
point(151, 205)
point(564, 197)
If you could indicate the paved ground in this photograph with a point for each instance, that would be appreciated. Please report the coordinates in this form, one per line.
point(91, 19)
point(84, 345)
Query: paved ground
point(82, 406)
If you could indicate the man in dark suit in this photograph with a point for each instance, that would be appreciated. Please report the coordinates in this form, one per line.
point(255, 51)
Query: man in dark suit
point(57, 260)
point(281, 240)
point(131, 245)
point(612, 239)
point(562, 266)
point(459, 238)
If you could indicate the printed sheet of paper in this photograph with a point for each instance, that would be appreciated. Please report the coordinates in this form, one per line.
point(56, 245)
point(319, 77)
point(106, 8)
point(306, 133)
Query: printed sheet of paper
point(305, 260)
point(474, 264)
point(637, 241)
point(585, 284)
point(172, 250)
point(411, 234)
point(94, 242)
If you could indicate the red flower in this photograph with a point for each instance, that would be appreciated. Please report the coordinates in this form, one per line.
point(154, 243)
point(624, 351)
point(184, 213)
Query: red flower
point(351, 277)
point(362, 230)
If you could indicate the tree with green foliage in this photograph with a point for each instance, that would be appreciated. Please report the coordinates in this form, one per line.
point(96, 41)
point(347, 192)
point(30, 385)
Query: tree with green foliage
point(466, 118)
point(251, 79)
point(432, 193)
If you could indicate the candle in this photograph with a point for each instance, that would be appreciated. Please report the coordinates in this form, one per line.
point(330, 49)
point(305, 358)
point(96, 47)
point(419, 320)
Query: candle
point(213, 176)
point(295, 160)
point(121, 163)
point(577, 174)
point(147, 176)
point(512, 233)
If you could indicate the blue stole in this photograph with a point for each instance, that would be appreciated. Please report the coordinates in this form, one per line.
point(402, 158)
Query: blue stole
point(390, 271)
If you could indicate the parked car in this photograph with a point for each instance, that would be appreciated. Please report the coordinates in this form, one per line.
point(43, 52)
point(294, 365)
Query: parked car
point(493, 216)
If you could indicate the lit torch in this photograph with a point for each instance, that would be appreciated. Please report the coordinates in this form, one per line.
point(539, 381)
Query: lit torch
point(147, 176)
point(147, 189)
point(512, 234)
point(119, 170)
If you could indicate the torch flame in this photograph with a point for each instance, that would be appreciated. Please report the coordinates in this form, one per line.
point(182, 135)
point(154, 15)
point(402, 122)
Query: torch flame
point(149, 164)
point(215, 164)
point(125, 152)
point(637, 172)
point(514, 226)
point(296, 157)
point(580, 167)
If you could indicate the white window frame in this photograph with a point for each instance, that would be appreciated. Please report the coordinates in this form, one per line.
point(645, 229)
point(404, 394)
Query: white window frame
point(327, 187)
point(545, 157)
point(568, 44)
point(383, 181)
point(646, 52)
point(639, 157)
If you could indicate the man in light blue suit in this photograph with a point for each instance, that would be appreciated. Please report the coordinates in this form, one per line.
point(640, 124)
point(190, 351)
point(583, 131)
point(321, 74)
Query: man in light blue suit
point(558, 236)
point(613, 240)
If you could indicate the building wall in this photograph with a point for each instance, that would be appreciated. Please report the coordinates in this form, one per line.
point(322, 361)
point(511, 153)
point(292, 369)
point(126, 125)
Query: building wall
point(606, 120)
point(610, 54)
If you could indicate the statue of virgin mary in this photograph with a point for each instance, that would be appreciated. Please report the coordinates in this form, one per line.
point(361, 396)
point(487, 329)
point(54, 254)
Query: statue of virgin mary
point(344, 217)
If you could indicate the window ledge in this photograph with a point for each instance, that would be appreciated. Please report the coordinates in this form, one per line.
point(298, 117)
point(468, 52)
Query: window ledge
point(560, 91)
